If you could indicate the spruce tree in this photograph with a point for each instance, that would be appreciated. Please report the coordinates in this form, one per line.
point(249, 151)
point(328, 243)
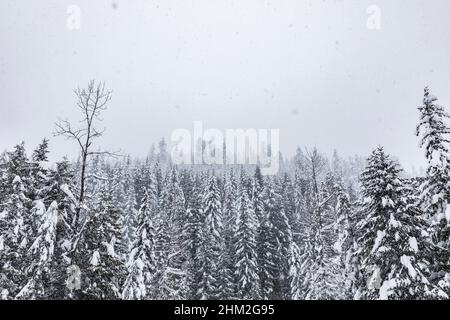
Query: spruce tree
point(435, 190)
point(433, 133)
point(142, 261)
point(281, 239)
point(210, 287)
point(193, 242)
point(230, 213)
point(14, 241)
point(102, 268)
point(346, 240)
point(39, 172)
point(42, 268)
point(389, 235)
point(246, 260)
point(267, 244)
point(295, 272)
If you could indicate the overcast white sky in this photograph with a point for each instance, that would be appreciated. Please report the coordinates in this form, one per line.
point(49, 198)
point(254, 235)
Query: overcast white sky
point(310, 68)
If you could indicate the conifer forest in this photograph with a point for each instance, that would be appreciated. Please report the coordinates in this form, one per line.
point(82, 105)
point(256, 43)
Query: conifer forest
point(110, 226)
point(206, 158)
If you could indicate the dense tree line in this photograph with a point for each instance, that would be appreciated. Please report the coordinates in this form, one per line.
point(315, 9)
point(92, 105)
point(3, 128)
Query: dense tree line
point(146, 229)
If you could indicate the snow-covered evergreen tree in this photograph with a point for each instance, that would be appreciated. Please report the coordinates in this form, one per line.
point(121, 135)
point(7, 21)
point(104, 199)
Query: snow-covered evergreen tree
point(42, 266)
point(230, 212)
point(389, 233)
point(346, 240)
point(434, 138)
point(142, 260)
point(246, 259)
point(193, 242)
point(212, 246)
point(295, 272)
point(267, 244)
point(39, 172)
point(171, 259)
point(281, 239)
point(14, 240)
point(102, 269)
point(435, 191)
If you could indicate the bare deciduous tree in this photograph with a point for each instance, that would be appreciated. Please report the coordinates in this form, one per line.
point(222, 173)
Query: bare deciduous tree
point(91, 101)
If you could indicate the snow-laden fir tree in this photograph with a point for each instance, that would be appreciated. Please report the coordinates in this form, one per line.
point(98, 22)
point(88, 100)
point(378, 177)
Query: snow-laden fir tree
point(3, 177)
point(142, 259)
point(173, 213)
point(287, 192)
point(39, 171)
point(18, 165)
point(246, 260)
point(434, 138)
point(325, 267)
point(295, 272)
point(102, 268)
point(14, 241)
point(127, 203)
point(193, 241)
point(212, 246)
point(281, 238)
point(267, 245)
point(346, 239)
point(435, 191)
point(313, 204)
point(163, 247)
point(60, 186)
point(390, 236)
point(42, 266)
point(230, 212)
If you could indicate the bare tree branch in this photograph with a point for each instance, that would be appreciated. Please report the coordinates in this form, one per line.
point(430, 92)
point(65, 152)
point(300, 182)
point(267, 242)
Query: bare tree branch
point(91, 101)
point(113, 154)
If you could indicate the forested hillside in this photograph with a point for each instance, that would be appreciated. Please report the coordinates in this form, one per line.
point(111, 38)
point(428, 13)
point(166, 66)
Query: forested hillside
point(322, 228)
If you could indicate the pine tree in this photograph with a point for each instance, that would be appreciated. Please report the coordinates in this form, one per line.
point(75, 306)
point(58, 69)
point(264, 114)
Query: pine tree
point(39, 172)
point(326, 272)
point(281, 239)
point(102, 268)
point(230, 213)
point(312, 202)
point(433, 133)
point(435, 191)
point(171, 274)
point(295, 272)
point(389, 234)
point(213, 242)
point(60, 186)
point(125, 197)
point(193, 242)
point(346, 240)
point(163, 248)
point(3, 177)
point(266, 243)
point(142, 261)
point(288, 194)
point(14, 240)
point(247, 279)
point(42, 266)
